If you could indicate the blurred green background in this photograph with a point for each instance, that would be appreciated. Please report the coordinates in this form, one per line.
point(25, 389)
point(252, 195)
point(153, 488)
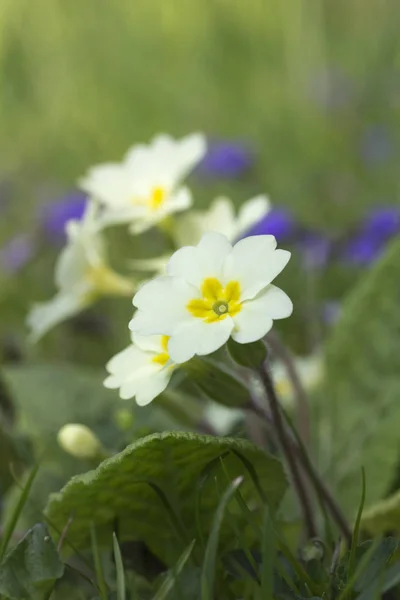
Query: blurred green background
point(312, 86)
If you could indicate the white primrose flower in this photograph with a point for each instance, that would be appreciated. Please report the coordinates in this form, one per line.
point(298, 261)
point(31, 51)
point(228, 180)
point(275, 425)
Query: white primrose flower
point(309, 370)
point(213, 291)
point(222, 218)
point(142, 370)
point(146, 186)
point(81, 276)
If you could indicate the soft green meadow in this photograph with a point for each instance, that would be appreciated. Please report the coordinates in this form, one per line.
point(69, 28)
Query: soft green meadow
point(267, 467)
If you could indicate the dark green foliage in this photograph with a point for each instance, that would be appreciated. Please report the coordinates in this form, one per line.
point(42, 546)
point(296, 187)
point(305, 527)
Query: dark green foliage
point(150, 489)
point(248, 355)
point(30, 569)
point(360, 408)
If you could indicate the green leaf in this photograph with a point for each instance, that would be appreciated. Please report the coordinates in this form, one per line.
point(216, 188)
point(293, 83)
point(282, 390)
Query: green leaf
point(248, 355)
point(30, 569)
point(383, 516)
point(217, 382)
point(210, 557)
point(360, 395)
point(123, 489)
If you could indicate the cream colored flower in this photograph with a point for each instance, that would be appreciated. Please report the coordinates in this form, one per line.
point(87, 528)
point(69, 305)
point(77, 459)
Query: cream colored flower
point(309, 370)
point(142, 370)
point(220, 217)
point(79, 441)
point(81, 276)
point(213, 291)
point(146, 186)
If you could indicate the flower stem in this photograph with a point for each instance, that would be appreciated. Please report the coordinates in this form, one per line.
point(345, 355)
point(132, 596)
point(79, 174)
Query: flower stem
point(300, 455)
point(287, 449)
point(300, 395)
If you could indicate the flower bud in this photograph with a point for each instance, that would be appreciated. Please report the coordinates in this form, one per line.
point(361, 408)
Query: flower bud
point(79, 441)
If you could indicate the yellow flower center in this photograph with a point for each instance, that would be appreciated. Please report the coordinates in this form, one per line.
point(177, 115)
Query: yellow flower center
point(163, 357)
point(217, 302)
point(157, 197)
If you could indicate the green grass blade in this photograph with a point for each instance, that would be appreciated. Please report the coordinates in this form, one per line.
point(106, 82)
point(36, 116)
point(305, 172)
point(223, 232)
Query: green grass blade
point(10, 526)
point(208, 572)
point(121, 590)
point(354, 541)
point(97, 564)
point(170, 580)
point(268, 547)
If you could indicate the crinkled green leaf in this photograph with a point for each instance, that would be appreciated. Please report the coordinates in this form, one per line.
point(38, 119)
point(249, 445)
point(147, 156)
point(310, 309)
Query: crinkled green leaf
point(30, 569)
point(360, 395)
point(122, 490)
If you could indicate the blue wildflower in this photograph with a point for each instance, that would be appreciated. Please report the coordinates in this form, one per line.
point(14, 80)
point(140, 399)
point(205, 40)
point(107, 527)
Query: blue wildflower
point(225, 159)
point(55, 215)
point(370, 240)
point(17, 253)
point(278, 222)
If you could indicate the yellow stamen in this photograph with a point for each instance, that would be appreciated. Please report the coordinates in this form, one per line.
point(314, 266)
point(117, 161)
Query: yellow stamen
point(217, 302)
point(163, 357)
point(155, 200)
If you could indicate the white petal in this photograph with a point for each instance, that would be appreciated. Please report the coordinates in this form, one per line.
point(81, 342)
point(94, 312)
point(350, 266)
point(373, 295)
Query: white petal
point(198, 337)
point(180, 200)
point(129, 362)
point(184, 263)
point(46, 315)
point(256, 317)
point(153, 387)
point(254, 262)
point(221, 217)
point(196, 263)
point(251, 212)
point(162, 306)
point(148, 343)
point(108, 183)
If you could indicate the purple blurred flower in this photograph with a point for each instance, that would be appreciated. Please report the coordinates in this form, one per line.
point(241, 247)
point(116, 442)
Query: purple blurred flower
point(370, 240)
point(376, 145)
point(225, 159)
point(17, 253)
point(55, 215)
point(278, 222)
point(382, 223)
point(315, 249)
point(331, 311)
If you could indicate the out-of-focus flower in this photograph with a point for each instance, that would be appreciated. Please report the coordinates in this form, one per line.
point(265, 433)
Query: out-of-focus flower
point(222, 218)
point(82, 275)
point(17, 253)
point(55, 215)
point(309, 370)
point(214, 291)
point(221, 418)
point(79, 441)
point(226, 159)
point(369, 242)
point(142, 370)
point(278, 222)
point(331, 312)
point(146, 186)
point(376, 145)
point(315, 249)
